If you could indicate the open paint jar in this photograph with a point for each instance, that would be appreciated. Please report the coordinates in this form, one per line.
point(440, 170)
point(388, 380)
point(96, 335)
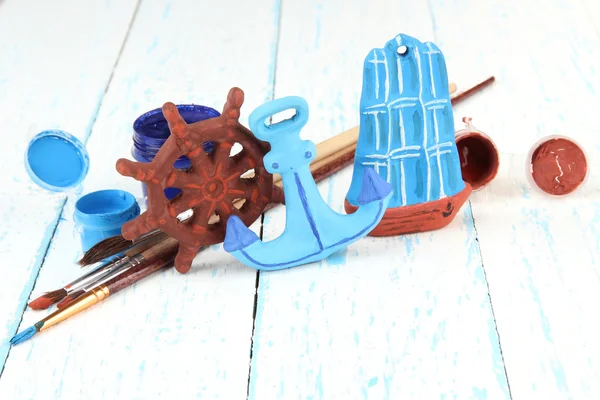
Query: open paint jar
point(479, 158)
point(58, 161)
point(151, 131)
point(556, 165)
point(100, 215)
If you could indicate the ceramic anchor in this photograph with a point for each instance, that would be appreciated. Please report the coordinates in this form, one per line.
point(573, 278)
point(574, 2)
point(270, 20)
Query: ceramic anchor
point(313, 230)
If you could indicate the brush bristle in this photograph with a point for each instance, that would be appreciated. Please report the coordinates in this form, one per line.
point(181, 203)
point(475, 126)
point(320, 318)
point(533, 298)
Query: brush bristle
point(70, 298)
point(47, 299)
point(23, 336)
point(104, 249)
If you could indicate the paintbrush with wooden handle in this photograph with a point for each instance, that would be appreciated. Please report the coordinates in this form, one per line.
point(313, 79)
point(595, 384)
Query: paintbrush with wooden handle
point(112, 263)
point(159, 256)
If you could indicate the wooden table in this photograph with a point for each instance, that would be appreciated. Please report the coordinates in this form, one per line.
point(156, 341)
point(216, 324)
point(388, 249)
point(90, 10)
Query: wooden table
point(503, 303)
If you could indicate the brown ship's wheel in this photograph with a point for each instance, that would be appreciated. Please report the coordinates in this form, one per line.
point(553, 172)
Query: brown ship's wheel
point(213, 188)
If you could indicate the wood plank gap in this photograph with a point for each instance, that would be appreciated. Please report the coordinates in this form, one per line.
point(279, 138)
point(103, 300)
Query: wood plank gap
point(112, 72)
point(33, 281)
point(487, 284)
point(262, 218)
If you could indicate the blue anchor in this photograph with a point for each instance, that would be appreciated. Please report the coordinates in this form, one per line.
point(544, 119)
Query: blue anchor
point(313, 230)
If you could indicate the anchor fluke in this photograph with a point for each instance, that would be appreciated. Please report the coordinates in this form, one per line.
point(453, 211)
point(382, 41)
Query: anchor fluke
point(374, 187)
point(237, 236)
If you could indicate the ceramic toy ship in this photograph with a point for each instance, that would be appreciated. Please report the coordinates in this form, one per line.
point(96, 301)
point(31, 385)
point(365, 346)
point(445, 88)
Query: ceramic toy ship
point(407, 135)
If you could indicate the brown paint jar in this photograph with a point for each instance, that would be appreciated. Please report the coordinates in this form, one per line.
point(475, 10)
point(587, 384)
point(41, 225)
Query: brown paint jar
point(479, 157)
point(557, 165)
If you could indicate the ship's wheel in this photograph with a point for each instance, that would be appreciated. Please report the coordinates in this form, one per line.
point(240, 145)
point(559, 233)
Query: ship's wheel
point(217, 185)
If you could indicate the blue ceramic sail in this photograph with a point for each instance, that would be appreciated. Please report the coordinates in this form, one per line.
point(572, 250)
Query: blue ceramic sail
point(406, 124)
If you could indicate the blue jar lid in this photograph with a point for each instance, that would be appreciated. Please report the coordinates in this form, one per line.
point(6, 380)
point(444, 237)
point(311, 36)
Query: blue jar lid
point(56, 160)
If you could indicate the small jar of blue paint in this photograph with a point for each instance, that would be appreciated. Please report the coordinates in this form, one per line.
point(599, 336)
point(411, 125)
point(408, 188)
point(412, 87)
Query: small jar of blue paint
point(101, 214)
point(151, 131)
point(57, 161)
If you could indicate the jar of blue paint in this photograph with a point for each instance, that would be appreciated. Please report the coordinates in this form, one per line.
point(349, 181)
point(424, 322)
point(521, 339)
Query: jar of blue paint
point(101, 214)
point(57, 161)
point(151, 131)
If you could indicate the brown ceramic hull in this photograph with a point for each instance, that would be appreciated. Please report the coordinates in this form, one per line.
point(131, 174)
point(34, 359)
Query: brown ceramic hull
point(421, 217)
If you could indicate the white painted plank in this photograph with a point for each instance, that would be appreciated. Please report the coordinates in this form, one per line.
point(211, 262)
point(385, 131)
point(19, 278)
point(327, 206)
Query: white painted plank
point(49, 78)
point(395, 318)
point(592, 9)
point(25, 234)
point(540, 255)
point(171, 335)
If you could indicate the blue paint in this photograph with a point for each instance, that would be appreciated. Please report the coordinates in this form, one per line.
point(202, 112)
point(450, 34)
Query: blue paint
point(407, 124)
point(313, 230)
point(544, 321)
point(101, 214)
point(56, 160)
point(23, 336)
point(167, 11)
point(338, 258)
point(373, 381)
point(329, 191)
point(151, 131)
point(559, 376)
point(319, 382)
point(480, 393)
point(307, 212)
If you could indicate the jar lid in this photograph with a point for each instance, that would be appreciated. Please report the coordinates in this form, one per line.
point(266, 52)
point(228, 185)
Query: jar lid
point(557, 165)
point(56, 160)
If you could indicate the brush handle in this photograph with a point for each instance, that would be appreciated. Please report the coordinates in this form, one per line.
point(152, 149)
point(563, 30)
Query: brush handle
point(160, 248)
point(141, 271)
point(113, 262)
point(141, 246)
point(164, 246)
point(126, 266)
point(83, 302)
point(332, 164)
point(97, 273)
point(101, 292)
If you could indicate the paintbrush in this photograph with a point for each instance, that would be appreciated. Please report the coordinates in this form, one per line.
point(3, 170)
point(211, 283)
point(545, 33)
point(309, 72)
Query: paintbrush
point(113, 245)
point(160, 259)
point(166, 245)
point(111, 264)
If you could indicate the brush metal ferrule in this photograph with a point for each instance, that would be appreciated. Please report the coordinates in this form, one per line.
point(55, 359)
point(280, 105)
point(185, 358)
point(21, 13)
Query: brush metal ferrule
point(128, 264)
point(83, 302)
point(97, 274)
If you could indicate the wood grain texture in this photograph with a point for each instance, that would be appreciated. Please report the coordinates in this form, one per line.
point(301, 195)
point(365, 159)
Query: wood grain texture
point(25, 234)
point(389, 318)
point(169, 336)
point(49, 78)
point(540, 254)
